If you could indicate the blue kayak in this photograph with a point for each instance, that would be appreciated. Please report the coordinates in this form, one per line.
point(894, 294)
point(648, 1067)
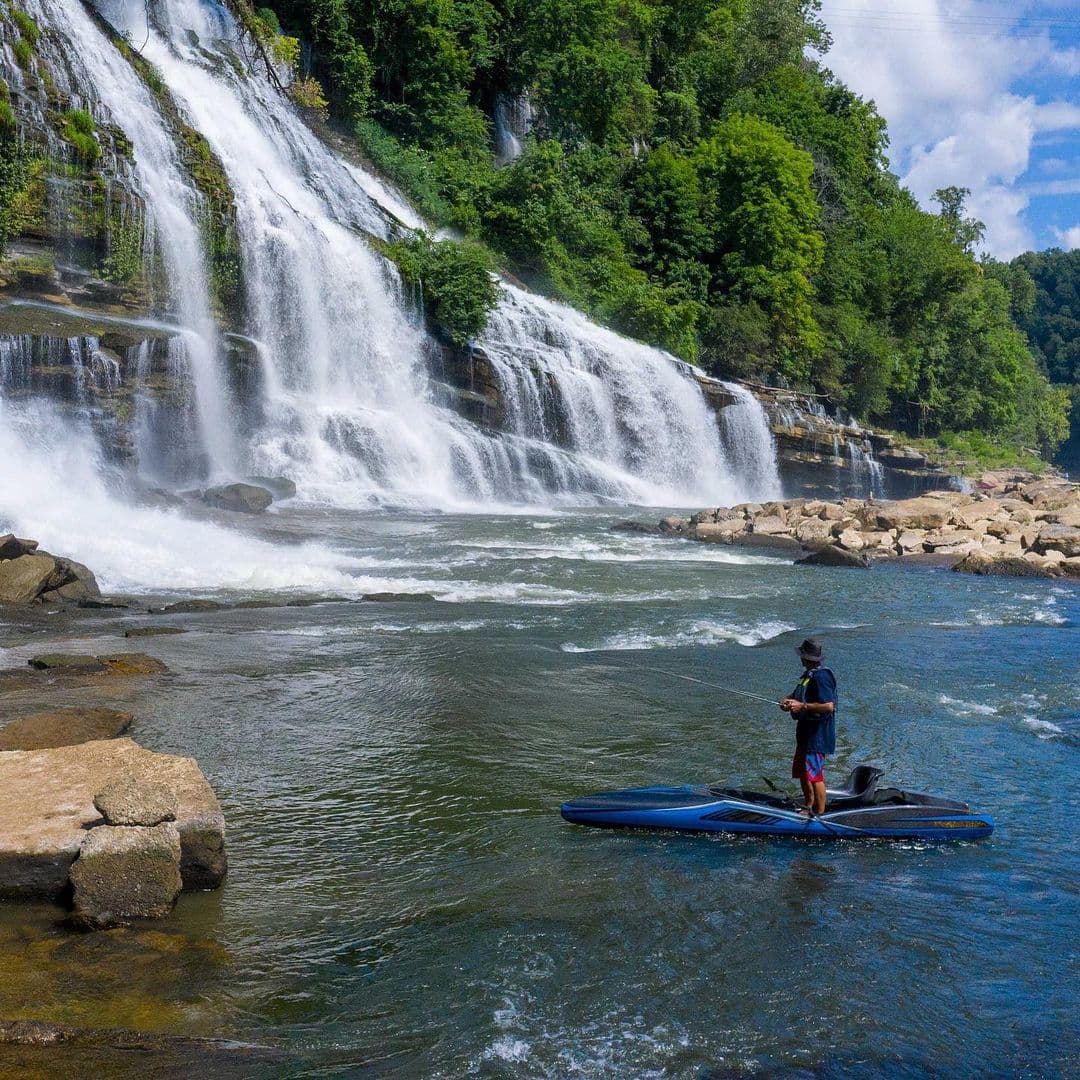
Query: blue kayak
point(861, 809)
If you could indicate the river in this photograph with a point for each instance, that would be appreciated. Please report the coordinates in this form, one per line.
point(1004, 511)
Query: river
point(404, 900)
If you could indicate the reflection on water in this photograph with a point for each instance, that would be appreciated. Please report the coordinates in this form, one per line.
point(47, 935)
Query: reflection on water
point(404, 900)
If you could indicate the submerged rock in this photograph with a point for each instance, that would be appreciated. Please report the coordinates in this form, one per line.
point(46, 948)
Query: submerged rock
point(186, 607)
point(153, 631)
point(131, 801)
point(240, 498)
point(124, 873)
point(68, 663)
point(399, 597)
point(63, 727)
point(47, 804)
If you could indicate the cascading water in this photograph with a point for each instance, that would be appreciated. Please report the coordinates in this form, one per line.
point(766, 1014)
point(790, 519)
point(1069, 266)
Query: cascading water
point(345, 403)
point(172, 200)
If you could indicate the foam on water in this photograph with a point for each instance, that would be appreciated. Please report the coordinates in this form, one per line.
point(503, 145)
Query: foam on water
point(967, 708)
point(53, 488)
point(700, 632)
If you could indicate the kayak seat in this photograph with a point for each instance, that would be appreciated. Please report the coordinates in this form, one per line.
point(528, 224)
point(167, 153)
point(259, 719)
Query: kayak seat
point(861, 784)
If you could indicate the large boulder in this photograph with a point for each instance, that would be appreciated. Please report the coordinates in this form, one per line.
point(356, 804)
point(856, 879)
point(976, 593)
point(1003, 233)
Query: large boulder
point(125, 873)
point(131, 801)
point(770, 525)
point(24, 579)
point(1050, 494)
point(979, 562)
point(813, 532)
point(919, 513)
point(63, 727)
point(1061, 538)
point(240, 498)
point(47, 804)
point(834, 555)
point(719, 532)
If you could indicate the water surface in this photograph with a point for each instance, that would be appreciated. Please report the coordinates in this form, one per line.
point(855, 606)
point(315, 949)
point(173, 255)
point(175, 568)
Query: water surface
point(404, 900)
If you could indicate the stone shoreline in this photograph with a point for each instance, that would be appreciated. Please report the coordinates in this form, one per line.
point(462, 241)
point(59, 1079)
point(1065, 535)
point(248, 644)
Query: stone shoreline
point(1011, 524)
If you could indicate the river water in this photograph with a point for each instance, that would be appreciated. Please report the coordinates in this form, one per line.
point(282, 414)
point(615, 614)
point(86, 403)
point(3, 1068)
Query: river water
point(404, 900)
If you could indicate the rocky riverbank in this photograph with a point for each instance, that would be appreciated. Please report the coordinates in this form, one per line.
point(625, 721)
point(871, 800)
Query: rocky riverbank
point(1013, 524)
point(92, 820)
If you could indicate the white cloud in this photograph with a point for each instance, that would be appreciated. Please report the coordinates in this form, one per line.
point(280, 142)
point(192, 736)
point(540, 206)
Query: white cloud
point(941, 72)
point(1068, 238)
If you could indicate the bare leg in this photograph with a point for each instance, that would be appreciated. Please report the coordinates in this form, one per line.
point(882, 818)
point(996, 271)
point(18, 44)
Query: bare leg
point(818, 797)
point(808, 792)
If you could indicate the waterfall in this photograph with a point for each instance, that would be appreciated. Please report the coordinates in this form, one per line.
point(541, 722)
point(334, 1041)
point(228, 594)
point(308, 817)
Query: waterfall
point(172, 201)
point(513, 119)
point(345, 403)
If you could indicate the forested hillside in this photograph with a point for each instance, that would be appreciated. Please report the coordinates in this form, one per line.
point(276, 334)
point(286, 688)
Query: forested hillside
point(692, 177)
point(1050, 314)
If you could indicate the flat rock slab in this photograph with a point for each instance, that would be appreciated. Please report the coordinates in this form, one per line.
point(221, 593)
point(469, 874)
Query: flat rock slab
point(125, 873)
point(72, 669)
point(47, 803)
point(63, 727)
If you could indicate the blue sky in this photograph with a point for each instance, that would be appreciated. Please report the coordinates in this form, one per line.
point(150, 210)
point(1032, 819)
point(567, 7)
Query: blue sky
point(978, 94)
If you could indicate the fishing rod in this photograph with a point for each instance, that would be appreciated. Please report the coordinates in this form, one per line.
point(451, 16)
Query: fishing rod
point(690, 678)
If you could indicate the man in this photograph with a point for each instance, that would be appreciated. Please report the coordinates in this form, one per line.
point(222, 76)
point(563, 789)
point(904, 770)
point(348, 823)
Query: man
point(813, 704)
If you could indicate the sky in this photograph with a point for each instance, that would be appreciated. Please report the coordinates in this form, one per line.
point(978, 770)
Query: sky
point(977, 94)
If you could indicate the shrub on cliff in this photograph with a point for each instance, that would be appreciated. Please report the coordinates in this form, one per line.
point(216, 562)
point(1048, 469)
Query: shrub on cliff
point(453, 281)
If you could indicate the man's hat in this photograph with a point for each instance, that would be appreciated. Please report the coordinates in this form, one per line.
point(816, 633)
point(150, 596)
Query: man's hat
point(811, 649)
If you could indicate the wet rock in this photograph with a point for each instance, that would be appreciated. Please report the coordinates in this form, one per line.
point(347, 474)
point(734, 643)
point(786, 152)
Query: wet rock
point(239, 498)
point(47, 803)
point(1059, 538)
point(186, 607)
point(671, 525)
point(398, 597)
point(153, 631)
point(68, 663)
point(131, 801)
point(834, 555)
point(1071, 568)
point(63, 727)
point(24, 578)
point(128, 665)
point(281, 487)
point(124, 873)
point(979, 562)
